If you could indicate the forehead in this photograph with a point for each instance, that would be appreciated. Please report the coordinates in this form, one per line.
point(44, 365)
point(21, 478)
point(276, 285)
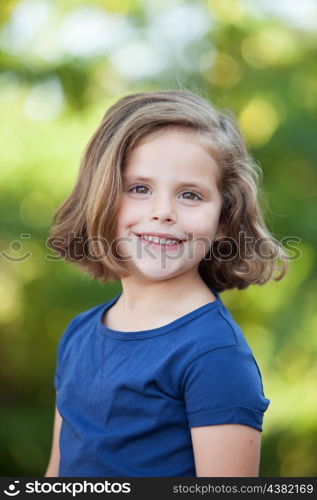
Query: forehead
point(174, 154)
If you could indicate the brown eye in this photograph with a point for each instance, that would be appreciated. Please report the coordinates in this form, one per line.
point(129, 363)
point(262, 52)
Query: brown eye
point(137, 187)
point(192, 193)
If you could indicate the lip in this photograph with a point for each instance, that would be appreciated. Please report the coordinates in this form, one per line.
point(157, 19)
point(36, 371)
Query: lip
point(152, 244)
point(167, 236)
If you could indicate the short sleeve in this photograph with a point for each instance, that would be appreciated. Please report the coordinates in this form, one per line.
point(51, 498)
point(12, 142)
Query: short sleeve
point(57, 376)
point(224, 386)
point(61, 347)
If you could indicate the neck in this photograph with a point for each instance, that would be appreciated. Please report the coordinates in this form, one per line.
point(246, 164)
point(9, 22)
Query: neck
point(140, 295)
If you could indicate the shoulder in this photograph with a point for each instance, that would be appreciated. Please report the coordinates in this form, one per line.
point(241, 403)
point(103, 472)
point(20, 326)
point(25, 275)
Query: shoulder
point(219, 353)
point(215, 329)
point(234, 364)
point(211, 346)
point(79, 324)
point(75, 338)
point(224, 385)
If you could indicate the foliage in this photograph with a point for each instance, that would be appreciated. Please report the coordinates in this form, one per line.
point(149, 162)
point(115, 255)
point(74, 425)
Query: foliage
point(52, 98)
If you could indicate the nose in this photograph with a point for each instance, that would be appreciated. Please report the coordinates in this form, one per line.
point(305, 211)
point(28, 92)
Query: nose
point(162, 209)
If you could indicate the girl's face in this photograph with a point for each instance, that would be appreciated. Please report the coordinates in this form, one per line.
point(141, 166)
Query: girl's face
point(169, 191)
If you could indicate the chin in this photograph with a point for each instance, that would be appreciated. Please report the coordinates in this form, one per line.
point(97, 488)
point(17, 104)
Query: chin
point(157, 274)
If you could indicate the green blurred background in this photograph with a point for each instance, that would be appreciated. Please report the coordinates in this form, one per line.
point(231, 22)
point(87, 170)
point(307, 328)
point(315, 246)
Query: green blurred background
point(61, 65)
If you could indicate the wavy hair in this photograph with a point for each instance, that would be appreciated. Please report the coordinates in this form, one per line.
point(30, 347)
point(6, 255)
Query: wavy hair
point(89, 214)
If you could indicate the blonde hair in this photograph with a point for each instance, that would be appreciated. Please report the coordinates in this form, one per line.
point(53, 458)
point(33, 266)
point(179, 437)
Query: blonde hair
point(90, 211)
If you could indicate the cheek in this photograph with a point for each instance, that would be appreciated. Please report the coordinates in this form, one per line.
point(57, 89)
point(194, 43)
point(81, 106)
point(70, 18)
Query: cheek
point(129, 213)
point(203, 223)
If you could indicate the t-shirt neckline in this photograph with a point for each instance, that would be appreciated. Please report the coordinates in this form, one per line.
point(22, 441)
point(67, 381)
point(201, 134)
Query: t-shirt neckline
point(153, 332)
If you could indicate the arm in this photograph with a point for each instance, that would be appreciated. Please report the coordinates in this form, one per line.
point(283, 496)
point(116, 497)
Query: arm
point(229, 450)
point(52, 468)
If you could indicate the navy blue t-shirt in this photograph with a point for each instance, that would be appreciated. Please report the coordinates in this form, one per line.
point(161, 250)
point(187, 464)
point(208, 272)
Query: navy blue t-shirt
point(129, 399)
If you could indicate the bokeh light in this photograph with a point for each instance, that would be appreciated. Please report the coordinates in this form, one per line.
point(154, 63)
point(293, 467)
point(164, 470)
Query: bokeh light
point(62, 65)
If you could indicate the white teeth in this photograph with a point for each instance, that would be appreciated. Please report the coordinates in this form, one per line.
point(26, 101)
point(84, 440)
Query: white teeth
point(161, 241)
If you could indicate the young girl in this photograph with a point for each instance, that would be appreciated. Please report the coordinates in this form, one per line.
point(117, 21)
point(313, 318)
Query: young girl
point(160, 380)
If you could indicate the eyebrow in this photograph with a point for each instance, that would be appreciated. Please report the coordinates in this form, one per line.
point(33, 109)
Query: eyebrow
point(196, 185)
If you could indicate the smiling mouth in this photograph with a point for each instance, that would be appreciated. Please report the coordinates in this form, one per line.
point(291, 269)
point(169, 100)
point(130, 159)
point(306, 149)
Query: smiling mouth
point(156, 242)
